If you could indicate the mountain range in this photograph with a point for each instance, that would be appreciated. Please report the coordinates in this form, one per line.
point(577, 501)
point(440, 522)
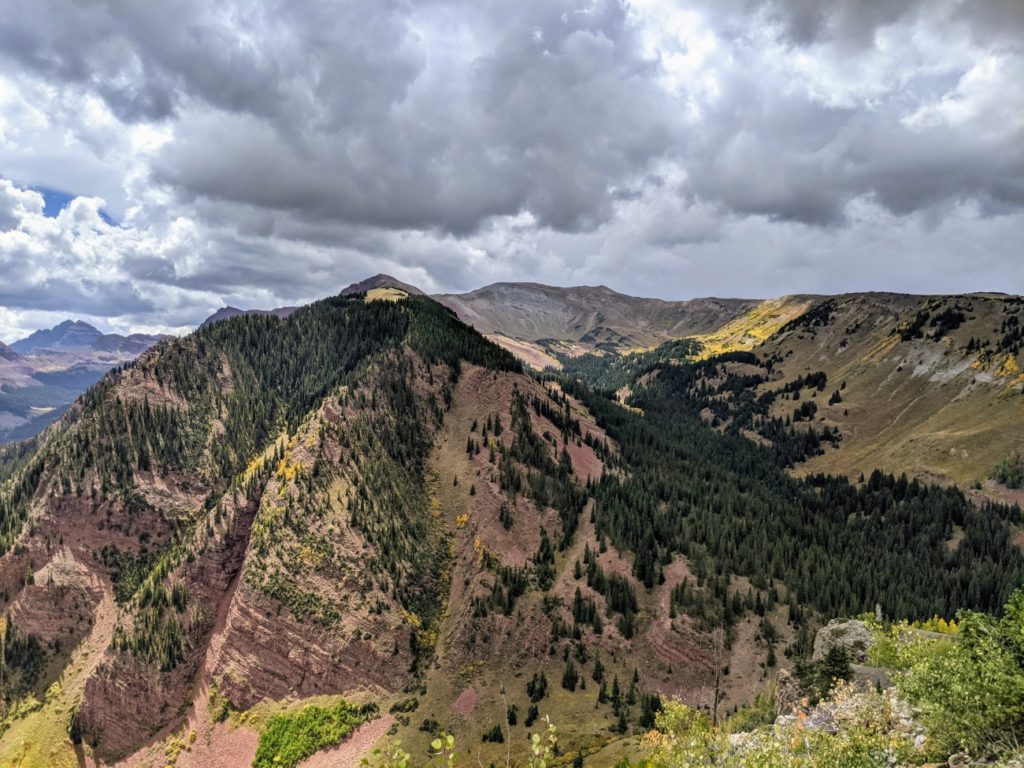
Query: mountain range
point(78, 336)
point(468, 512)
point(43, 373)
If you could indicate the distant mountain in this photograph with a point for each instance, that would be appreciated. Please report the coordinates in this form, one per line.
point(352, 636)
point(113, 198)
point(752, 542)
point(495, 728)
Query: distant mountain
point(14, 372)
point(381, 281)
point(6, 353)
point(589, 315)
point(79, 336)
point(71, 334)
point(42, 374)
point(226, 313)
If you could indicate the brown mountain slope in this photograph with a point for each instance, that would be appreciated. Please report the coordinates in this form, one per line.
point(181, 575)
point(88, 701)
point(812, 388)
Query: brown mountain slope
point(589, 315)
point(381, 281)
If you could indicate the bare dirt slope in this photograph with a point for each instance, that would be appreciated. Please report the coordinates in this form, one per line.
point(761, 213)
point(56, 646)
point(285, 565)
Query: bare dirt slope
point(530, 311)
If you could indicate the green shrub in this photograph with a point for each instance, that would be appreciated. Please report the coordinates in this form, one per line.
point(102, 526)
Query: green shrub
point(754, 716)
point(290, 738)
point(971, 696)
point(1010, 472)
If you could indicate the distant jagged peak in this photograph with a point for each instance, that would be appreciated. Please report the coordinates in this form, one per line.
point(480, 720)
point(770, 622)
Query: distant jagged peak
point(78, 336)
point(381, 281)
point(70, 334)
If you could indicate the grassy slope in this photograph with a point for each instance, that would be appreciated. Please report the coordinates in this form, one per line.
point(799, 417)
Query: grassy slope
point(924, 407)
point(756, 326)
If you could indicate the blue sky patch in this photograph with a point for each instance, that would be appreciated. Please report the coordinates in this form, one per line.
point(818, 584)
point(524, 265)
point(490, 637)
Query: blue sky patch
point(56, 200)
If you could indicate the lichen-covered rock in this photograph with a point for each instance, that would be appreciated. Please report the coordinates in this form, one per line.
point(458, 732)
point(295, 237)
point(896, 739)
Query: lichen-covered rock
point(850, 634)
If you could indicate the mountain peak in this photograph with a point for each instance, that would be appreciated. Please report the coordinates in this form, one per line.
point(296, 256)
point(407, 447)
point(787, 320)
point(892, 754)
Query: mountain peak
point(79, 336)
point(381, 281)
point(79, 325)
point(228, 312)
point(70, 334)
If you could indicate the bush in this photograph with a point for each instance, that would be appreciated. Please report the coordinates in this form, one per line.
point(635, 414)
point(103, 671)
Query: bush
point(865, 736)
point(971, 693)
point(1010, 472)
point(288, 739)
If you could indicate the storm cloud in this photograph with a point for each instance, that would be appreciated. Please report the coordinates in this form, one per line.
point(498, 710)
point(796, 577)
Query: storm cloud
point(271, 153)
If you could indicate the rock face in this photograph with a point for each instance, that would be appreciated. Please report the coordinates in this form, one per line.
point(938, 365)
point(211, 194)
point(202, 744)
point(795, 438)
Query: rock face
point(851, 635)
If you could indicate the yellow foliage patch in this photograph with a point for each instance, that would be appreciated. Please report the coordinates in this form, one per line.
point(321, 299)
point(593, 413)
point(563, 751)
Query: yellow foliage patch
point(310, 557)
point(1009, 366)
point(286, 471)
point(746, 332)
point(385, 294)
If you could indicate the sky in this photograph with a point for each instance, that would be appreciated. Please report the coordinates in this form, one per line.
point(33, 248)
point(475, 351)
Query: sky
point(160, 160)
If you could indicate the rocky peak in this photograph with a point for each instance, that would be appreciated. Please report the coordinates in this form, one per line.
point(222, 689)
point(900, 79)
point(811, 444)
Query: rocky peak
point(381, 281)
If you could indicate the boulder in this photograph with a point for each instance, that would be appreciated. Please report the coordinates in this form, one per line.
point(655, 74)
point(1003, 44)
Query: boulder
point(850, 634)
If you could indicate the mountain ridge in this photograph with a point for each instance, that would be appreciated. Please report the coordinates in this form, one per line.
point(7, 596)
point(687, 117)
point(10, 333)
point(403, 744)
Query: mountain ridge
point(77, 336)
point(370, 496)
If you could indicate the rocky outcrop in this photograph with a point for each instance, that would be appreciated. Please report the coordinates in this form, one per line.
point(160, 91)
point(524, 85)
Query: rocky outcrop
point(127, 700)
point(851, 635)
point(267, 654)
point(787, 693)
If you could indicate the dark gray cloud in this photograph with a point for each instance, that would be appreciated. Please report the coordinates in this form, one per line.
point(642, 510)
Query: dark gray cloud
point(274, 151)
point(557, 109)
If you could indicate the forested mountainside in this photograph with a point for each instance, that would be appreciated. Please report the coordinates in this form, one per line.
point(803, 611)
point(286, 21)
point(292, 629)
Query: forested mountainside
point(368, 498)
point(922, 385)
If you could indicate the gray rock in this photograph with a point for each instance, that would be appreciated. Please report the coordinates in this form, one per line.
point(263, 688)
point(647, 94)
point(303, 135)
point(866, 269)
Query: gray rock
point(851, 634)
